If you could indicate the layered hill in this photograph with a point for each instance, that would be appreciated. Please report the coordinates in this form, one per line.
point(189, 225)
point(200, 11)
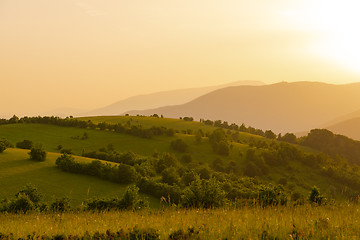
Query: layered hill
point(281, 107)
point(349, 128)
point(159, 99)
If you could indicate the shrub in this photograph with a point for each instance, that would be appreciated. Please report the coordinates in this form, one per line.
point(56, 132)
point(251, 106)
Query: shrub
point(6, 143)
point(22, 203)
point(130, 200)
point(60, 205)
point(170, 176)
point(189, 177)
point(271, 196)
point(2, 147)
point(315, 197)
point(203, 193)
point(32, 192)
point(26, 144)
point(166, 160)
point(37, 153)
point(126, 174)
point(160, 190)
point(66, 151)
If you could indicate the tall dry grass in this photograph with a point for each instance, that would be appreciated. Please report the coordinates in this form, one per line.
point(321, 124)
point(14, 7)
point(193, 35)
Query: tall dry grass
point(300, 222)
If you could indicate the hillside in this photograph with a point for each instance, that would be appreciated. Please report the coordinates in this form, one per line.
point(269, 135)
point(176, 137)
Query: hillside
point(349, 128)
point(169, 165)
point(159, 99)
point(16, 170)
point(281, 107)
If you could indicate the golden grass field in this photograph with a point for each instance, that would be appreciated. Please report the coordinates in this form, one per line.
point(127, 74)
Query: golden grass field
point(299, 222)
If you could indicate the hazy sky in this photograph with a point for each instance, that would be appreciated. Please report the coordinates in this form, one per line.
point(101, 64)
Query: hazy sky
point(90, 53)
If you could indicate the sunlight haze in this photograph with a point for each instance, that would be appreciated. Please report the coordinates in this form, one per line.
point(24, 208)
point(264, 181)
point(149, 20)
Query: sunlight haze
point(88, 54)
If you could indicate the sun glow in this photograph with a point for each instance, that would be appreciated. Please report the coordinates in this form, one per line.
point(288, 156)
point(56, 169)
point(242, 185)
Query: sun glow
point(336, 23)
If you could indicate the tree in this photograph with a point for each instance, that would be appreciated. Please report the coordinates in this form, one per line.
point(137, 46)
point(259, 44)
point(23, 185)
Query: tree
point(315, 197)
point(126, 173)
point(204, 193)
point(2, 147)
point(170, 176)
point(32, 192)
point(26, 144)
point(60, 204)
point(269, 134)
point(288, 137)
point(37, 153)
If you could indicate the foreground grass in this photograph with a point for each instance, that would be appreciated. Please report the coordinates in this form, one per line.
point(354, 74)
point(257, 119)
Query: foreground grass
point(301, 222)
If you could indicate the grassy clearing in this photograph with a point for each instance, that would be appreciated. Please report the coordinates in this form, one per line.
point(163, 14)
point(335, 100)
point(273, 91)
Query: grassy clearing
point(16, 170)
point(51, 136)
point(301, 222)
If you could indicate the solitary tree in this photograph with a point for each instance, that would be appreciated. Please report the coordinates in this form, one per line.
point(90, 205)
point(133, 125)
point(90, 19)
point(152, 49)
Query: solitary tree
point(38, 153)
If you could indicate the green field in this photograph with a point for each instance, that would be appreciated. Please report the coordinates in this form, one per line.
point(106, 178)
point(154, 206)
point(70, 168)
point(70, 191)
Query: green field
point(51, 136)
point(16, 170)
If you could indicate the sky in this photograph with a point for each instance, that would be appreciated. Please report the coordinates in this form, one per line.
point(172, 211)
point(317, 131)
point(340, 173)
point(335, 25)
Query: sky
point(86, 54)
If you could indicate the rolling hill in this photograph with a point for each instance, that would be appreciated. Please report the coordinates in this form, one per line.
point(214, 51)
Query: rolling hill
point(16, 170)
point(282, 107)
point(159, 99)
point(296, 167)
point(349, 128)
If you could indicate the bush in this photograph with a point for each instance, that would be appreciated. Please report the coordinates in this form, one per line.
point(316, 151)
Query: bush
point(170, 176)
point(66, 151)
point(189, 177)
point(32, 192)
point(166, 160)
point(315, 197)
point(26, 144)
point(6, 143)
point(160, 190)
point(130, 200)
point(2, 147)
point(203, 193)
point(22, 203)
point(60, 205)
point(37, 153)
point(126, 174)
point(271, 196)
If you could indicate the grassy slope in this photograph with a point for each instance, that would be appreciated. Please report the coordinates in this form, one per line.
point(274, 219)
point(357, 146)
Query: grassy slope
point(16, 170)
point(300, 176)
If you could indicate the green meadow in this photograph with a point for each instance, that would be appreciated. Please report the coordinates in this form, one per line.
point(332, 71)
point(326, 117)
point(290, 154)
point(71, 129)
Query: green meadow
point(16, 170)
point(299, 178)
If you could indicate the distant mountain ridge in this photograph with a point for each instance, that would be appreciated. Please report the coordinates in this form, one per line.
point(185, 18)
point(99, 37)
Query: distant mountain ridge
point(281, 107)
point(349, 128)
point(159, 99)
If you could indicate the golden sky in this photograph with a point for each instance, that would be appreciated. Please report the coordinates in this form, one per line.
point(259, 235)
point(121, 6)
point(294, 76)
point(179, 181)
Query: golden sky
point(90, 53)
